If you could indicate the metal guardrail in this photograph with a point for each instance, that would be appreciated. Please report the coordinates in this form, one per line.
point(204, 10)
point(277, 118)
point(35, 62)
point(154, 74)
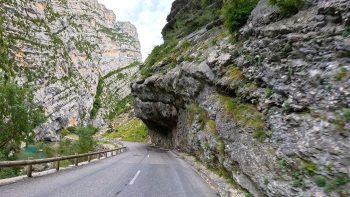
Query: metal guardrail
point(30, 163)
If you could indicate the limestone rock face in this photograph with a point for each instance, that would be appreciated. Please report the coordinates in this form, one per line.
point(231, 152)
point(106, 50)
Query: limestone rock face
point(270, 109)
point(62, 48)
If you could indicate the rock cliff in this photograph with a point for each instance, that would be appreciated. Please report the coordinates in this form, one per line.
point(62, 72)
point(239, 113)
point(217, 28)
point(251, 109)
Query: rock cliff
point(270, 108)
point(64, 49)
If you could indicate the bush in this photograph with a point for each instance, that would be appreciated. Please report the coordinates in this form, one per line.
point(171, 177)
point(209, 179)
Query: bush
point(7, 172)
point(320, 181)
point(237, 12)
point(288, 7)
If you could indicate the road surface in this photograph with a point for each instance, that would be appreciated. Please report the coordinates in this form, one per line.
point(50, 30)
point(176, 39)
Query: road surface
point(140, 172)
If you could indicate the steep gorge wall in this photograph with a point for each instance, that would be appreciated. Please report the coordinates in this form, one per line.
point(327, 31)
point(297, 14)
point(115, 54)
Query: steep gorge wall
point(271, 109)
point(62, 48)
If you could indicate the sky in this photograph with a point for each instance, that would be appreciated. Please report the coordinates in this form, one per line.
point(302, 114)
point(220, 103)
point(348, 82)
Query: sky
point(149, 17)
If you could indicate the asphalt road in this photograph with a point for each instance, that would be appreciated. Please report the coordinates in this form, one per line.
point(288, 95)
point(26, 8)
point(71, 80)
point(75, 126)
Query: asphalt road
point(140, 172)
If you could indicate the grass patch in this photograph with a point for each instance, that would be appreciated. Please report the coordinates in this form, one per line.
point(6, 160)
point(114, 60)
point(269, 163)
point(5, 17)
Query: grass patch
point(235, 74)
point(211, 126)
point(133, 131)
point(246, 115)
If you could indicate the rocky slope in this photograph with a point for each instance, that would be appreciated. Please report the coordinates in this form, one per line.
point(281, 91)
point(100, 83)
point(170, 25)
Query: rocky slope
point(63, 49)
point(270, 109)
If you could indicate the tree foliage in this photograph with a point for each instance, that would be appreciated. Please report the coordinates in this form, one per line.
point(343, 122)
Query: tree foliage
point(19, 115)
point(86, 141)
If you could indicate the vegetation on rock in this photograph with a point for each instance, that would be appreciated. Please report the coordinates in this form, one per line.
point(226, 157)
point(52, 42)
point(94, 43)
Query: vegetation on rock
point(237, 12)
point(288, 7)
point(134, 131)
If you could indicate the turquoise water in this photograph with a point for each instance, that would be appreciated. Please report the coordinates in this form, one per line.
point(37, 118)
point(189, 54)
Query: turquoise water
point(31, 152)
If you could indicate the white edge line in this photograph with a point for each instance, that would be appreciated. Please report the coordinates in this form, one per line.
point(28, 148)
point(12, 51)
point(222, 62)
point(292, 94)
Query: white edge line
point(135, 177)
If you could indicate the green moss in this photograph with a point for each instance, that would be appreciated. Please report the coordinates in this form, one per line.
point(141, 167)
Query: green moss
point(237, 12)
point(134, 130)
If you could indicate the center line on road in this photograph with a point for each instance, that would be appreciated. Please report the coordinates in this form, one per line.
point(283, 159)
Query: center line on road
point(135, 177)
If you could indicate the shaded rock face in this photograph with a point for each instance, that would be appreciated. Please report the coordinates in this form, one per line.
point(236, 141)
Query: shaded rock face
point(62, 48)
point(270, 109)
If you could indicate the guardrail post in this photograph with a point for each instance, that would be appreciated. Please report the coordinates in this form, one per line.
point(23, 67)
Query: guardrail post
point(99, 156)
point(29, 170)
point(57, 165)
point(89, 158)
point(76, 161)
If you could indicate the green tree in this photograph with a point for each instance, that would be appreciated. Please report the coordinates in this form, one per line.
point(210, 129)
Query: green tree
point(86, 141)
point(19, 115)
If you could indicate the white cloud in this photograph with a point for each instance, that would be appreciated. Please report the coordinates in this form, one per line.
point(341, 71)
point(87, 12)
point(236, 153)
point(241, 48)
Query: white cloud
point(149, 17)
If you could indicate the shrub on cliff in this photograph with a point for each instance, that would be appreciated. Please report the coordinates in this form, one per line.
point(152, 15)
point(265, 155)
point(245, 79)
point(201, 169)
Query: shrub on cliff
point(237, 12)
point(288, 7)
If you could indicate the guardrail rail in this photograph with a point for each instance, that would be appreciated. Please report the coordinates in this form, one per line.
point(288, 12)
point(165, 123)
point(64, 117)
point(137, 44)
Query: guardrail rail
point(30, 163)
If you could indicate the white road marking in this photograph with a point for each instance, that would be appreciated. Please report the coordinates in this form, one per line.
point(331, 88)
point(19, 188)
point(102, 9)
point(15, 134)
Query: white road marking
point(148, 155)
point(135, 177)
